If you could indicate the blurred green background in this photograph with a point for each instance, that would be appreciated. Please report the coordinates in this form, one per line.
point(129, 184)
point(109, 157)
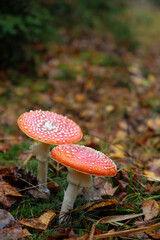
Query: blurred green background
point(27, 27)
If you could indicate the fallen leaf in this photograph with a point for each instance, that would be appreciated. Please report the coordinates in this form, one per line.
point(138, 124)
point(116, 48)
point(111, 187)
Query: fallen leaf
point(154, 124)
point(53, 187)
point(26, 233)
point(108, 189)
point(4, 147)
point(5, 218)
point(127, 232)
point(153, 170)
point(122, 184)
point(91, 194)
point(109, 108)
point(110, 219)
point(103, 204)
point(8, 194)
point(144, 138)
point(7, 201)
point(7, 189)
point(9, 228)
point(151, 208)
point(39, 223)
point(80, 98)
point(123, 125)
point(99, 182)
point(120, 136)
point(36, 193)
point(117, 151)
point(154, 234)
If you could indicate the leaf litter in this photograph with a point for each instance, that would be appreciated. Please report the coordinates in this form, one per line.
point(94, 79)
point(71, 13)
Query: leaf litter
point(10, 228)
point(40, 223)
point(118, 110)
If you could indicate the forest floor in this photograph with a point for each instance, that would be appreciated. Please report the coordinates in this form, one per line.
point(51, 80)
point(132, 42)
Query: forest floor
point(113, 95)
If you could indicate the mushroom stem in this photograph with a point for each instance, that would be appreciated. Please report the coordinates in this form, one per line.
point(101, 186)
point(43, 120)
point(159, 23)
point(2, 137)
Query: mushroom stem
point(41, 151)
point(68, 201)
point(76, 181)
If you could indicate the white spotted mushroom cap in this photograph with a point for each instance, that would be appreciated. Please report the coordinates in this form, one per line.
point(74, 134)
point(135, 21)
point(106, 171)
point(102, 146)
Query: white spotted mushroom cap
point(49, 127)
point(84, 159)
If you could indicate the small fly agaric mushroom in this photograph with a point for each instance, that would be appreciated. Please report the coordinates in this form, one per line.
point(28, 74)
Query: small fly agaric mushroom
point(47, 128)
point(82, 163)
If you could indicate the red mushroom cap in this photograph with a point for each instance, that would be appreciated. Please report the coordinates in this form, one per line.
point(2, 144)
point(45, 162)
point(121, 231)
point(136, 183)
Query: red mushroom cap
point(84, 159)
point(49, 127)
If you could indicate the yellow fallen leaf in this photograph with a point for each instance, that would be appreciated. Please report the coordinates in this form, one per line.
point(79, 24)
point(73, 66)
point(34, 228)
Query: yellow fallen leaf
point(80, 97)
point(110, 108)
point(89, 84)
point(7, 189)
point(39, 223)
point(103, 204)
point(152, 170)
point(151, 78)
point(117, 151)
point(153, 124)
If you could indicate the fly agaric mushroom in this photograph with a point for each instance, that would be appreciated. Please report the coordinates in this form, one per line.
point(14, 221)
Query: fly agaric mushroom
point(47, 128)
point(82, 163)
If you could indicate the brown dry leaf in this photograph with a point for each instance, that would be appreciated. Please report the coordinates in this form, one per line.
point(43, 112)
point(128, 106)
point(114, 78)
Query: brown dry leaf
point(5, 218)
point(7, 189)
point(6, 170)
point(123, 125)
point(26, 233)
point(80, 98)
point(91, 194)
point(117, 151)
point(127, 232)
point(122, 184)
point(4, 146)
point(39, 223)
point(144, 138)
point(53, 187)
point(9, 117)
point(152, 171)
point(87, 205)
point(151, 176)
point(103, 204)
point(109, 108)
point(152, 187)
point(154, 124)
point(89, 83)
point(108, 189)
point(8, 194)
point(7, 201)
point(110, 219)
point(9, 228)
point(154, 234)
point(99, 182)
point(36, 193)
point(120, 136)
point(151, 208)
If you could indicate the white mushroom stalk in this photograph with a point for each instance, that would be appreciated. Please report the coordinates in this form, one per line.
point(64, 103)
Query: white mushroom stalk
point(76, 181)
point(41, 151)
